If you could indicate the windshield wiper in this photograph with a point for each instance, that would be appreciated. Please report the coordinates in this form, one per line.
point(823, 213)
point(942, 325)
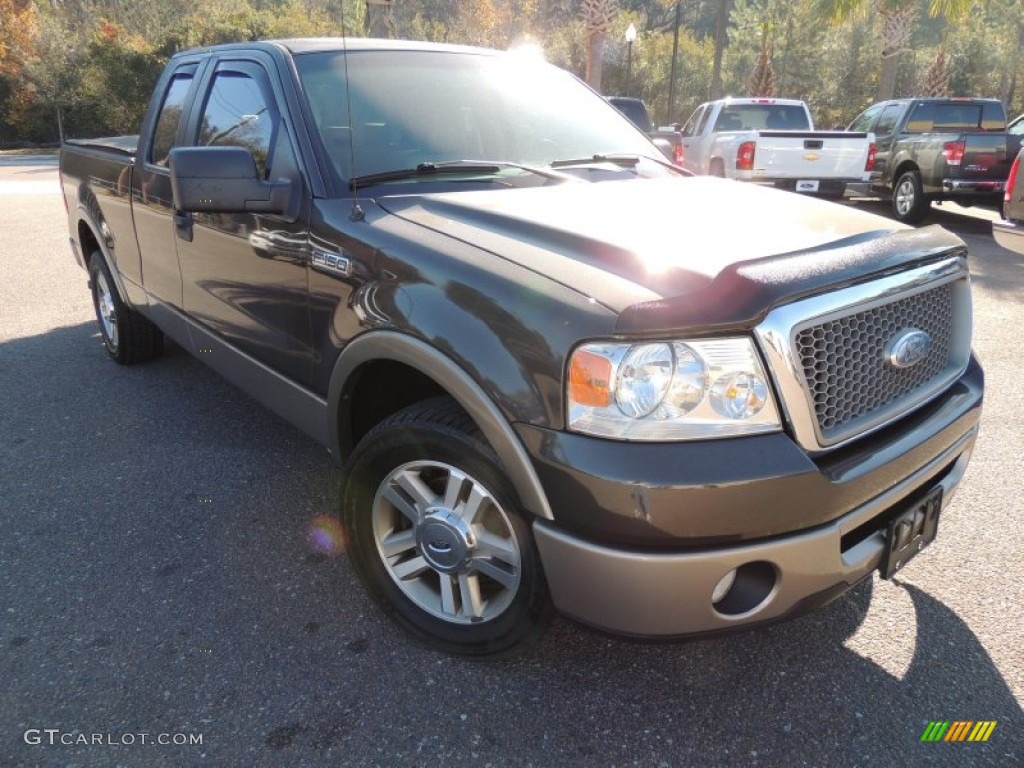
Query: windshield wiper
point(454, 167)
point(623, 161)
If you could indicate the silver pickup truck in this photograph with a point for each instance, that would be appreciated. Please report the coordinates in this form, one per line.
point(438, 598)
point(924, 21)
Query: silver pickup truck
point(773, 141)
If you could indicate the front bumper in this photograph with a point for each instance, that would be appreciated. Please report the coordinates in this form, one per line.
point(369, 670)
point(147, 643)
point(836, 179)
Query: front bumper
point(643, 533)
point(1009, 234)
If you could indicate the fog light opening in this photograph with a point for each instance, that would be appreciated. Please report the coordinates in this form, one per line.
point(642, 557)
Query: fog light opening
point(745, 589)
point(723, 586)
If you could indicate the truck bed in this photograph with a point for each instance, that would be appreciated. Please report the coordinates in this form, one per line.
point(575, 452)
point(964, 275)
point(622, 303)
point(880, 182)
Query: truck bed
point(96, 175)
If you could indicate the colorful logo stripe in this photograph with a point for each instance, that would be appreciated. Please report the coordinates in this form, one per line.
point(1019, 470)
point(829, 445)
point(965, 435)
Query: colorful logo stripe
point(958, 730)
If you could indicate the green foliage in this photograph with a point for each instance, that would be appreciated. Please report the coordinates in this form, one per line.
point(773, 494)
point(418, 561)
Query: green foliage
point(95, 61)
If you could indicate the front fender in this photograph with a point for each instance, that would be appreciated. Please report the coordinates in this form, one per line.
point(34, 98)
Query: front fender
point(417, 354)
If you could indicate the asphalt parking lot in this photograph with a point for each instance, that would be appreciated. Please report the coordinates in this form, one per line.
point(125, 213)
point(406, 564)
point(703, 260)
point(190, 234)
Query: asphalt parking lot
point(155, 579)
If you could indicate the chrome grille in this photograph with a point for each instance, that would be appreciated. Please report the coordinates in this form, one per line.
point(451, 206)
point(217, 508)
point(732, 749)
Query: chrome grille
point(828, 353)
point(845, 359)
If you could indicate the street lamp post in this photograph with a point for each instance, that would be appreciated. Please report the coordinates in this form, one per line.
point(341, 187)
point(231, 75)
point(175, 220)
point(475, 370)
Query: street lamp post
point(630, 37)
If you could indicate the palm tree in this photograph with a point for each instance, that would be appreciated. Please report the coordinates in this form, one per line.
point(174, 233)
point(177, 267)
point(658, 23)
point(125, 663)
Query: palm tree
point(897, 19)
point(598, 16)
point(721, 38)
point(379, 21)
point(762, 80)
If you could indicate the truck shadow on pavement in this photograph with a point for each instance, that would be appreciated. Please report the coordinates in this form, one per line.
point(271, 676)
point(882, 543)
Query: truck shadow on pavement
point(158, 570)
point(796, 694)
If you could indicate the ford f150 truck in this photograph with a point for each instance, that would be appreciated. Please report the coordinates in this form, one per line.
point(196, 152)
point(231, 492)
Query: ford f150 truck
point(773, 141)
point(935, 149)
point(463, 272)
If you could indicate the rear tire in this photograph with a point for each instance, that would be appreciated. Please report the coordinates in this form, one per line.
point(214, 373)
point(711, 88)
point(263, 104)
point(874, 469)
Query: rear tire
point(128, 337)
point(909, 205)
point(437, 535)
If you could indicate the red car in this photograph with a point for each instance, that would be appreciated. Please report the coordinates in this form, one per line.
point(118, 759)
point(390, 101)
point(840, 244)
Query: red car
point(1010, 232)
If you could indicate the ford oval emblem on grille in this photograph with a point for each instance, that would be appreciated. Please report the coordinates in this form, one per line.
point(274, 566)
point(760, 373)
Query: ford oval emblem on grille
point(909, 348)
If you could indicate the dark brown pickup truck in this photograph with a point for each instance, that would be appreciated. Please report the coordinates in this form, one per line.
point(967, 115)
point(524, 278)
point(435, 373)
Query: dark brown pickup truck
point(930, 150)
point(555, 369)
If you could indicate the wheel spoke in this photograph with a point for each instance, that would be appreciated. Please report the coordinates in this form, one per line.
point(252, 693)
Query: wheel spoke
point(492, 568)
point(453, 489)
point(403, 506)
point(469, 590)
point(447, 595)
point(477, 498)
point(410, 568)
point(411, 483)
point(495, 546)
point(395, 543)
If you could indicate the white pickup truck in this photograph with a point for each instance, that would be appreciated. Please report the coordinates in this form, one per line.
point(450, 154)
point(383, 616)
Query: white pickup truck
point(773, 141)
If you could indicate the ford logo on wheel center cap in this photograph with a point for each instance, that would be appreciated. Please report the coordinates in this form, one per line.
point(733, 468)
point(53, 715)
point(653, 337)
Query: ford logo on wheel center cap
point(908, 348)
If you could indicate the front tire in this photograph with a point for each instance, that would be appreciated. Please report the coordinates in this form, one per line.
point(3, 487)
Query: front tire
point(128, 337)
point(437, 535)
point(909, 205)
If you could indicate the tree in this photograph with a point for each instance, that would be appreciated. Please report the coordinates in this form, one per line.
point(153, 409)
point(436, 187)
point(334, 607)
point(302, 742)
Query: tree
point(936, 79)
point(55, 70)
point(762, 80)
point(17, 25)
point(598, 16)
point(897, 19)
point(379, 21)
point(721, 40)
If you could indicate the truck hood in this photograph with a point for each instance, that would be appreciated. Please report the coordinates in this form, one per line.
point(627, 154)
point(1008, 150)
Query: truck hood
point(676, 252)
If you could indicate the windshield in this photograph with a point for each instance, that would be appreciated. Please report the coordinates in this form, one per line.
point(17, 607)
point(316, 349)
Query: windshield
point(413, 107)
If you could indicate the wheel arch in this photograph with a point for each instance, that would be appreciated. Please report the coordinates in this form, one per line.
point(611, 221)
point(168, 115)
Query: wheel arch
point(427, 373)
point(902, 167)
point(90, 241)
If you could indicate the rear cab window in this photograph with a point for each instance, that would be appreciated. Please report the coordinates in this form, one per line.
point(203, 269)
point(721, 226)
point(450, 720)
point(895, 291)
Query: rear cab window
point(949, 117)
point(772, 117)
point(165, 130)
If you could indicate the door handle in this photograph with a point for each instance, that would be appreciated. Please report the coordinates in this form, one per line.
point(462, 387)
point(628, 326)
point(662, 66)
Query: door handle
point(183, 225)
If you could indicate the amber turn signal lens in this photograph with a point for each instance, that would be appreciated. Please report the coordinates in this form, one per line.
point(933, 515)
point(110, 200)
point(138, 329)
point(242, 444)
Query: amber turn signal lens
point(590, 379)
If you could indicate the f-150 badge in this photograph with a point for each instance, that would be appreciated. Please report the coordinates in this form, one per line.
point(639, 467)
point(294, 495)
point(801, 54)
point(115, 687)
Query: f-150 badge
point(334, 263)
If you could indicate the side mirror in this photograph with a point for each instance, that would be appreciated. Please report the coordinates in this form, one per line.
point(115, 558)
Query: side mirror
point(224, 180)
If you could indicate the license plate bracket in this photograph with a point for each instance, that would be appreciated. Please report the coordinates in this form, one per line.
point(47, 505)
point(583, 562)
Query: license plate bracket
point(910, 532)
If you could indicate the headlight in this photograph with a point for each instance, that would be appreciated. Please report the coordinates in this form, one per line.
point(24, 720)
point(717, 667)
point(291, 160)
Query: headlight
point(670, 390)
